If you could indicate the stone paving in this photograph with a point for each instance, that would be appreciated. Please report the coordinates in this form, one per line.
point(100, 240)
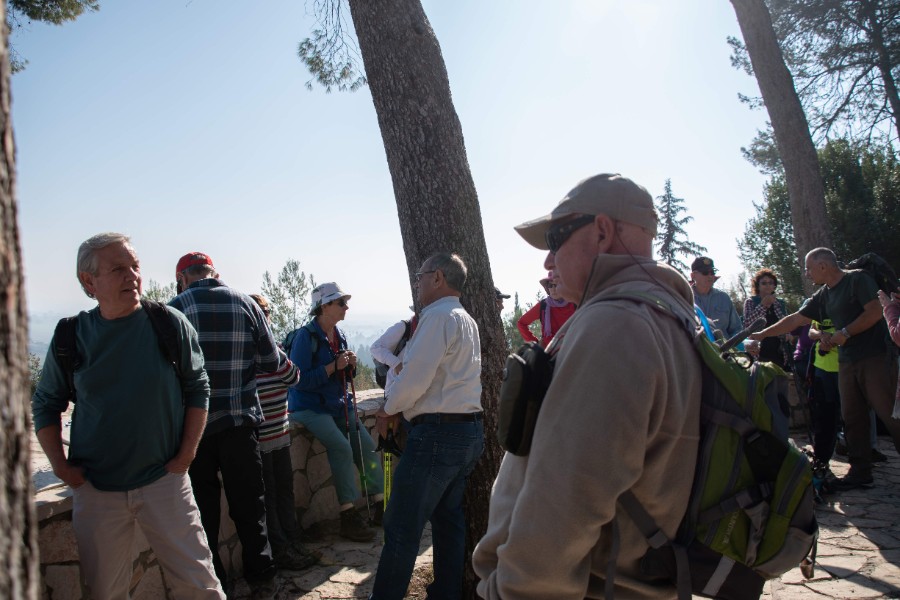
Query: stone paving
point(347, 570)
point(858, 554)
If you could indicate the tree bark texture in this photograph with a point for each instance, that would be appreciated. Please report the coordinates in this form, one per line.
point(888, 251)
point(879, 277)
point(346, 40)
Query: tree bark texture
point(19, 563)
point(869, 10)
point(436, 199)
point(798, 153)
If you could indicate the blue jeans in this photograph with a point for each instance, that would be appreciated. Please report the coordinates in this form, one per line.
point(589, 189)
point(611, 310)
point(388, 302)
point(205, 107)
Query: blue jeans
point(428, 485)
point(343, 454)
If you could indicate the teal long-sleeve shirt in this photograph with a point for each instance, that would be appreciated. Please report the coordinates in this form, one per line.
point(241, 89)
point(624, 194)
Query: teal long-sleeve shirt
point(129, 410)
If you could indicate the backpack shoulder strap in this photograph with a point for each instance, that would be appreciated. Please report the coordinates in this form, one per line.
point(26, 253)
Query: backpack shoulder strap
point(401, 343)
point(690, 325)
point(166, 332)
point(313, 337)
point(66, 351)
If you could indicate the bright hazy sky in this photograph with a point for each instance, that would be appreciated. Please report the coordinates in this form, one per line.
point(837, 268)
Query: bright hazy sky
point(187, 126)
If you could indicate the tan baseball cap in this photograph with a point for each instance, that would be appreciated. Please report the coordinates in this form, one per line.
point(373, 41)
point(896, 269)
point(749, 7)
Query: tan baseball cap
point(609, 194)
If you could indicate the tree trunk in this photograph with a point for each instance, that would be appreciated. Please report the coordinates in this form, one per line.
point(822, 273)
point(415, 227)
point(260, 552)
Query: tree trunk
point(19, 574)
point(798, 154)
point(883, 58)
point(436, 199)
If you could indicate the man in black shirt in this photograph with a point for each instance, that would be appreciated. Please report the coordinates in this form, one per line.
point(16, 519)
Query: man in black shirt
point(867, 373)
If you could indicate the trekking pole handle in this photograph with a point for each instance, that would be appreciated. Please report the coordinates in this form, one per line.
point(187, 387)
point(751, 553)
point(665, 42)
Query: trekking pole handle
point(757, 325)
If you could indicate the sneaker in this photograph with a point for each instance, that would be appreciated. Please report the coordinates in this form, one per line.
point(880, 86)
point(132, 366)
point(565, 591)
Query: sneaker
point(877, 456)
point(377, 513)
point(294, 558)
point(264, 590)
point(354, 528)
point(851, 481)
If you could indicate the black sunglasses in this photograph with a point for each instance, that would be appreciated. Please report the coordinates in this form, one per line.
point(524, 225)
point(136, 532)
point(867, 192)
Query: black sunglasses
point(340, 302)
point(556, 235)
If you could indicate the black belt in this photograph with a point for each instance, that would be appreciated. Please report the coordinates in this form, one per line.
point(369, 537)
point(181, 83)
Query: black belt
point(438, 418)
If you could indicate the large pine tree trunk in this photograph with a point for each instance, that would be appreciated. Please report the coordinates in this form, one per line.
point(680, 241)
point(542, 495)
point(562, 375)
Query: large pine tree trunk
point(19, 575)
point(436, 199)
point(795, 145)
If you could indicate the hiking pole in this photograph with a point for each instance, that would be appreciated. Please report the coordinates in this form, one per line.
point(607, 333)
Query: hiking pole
point(362, 459)
point(741, 335)
point(388, 471)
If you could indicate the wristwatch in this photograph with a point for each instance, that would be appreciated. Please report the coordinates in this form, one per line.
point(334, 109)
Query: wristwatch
point(845, 333)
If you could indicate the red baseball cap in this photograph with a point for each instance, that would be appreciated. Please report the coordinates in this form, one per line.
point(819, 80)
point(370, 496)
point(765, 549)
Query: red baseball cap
point(192, 259)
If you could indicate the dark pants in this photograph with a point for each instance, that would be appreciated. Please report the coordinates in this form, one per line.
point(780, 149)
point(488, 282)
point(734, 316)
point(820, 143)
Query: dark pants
point(868, 383)
point(281, 516)
point(429, 484)
point(234, 452)
point(826, 414)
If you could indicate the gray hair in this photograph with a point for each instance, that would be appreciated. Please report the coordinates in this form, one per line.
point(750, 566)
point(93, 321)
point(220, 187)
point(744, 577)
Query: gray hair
point(825, 255)
point(86, 262)
point(200, 271)
point(452, 266)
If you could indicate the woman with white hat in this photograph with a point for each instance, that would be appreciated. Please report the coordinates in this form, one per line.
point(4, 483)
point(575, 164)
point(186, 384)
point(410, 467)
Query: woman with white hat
point(323, 405)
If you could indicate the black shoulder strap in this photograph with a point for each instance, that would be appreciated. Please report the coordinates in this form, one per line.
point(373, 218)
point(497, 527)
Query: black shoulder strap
point(64, 347)
point(401, 344)
point(166, 332)
point(313, 338)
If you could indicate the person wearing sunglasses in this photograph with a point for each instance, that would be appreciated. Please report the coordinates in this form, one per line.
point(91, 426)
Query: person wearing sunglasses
point(323, 404)
point(621, 411)
point(715, 304)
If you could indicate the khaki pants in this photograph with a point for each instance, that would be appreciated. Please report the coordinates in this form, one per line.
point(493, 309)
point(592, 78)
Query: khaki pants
point(104, 524)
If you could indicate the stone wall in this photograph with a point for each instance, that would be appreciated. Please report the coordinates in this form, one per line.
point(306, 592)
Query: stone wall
point(316, 501)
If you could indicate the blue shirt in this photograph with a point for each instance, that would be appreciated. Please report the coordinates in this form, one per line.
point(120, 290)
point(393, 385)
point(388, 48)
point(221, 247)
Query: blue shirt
point(237, 344)
point(719, 309)
point(317, 391)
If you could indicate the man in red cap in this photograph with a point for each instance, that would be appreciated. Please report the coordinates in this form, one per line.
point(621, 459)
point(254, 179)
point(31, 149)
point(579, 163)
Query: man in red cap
point(236, 342)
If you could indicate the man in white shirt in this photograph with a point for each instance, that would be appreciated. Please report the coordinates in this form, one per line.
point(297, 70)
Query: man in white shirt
point(437, 388)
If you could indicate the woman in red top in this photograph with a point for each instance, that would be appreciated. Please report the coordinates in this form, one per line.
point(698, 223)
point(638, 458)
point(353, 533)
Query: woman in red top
point(552, 312)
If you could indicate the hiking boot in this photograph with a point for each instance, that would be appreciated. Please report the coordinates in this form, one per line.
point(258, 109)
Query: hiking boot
point(377, 514)
point(354, 528)
point(264, 590)
point(294, 558)
point(878, 456)
point(851, 481)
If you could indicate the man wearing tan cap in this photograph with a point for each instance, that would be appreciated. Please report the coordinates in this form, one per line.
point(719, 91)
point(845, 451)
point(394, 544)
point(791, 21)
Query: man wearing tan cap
point(620, 414)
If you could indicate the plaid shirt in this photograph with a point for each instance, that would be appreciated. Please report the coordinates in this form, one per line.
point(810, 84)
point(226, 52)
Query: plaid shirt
point(237, 344)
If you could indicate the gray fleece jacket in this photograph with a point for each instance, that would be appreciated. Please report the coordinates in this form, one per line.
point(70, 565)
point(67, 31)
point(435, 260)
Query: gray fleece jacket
point(621, 413)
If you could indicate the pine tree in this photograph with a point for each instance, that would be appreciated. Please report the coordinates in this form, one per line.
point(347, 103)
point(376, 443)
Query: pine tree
point(288, 295)
point(672, 238)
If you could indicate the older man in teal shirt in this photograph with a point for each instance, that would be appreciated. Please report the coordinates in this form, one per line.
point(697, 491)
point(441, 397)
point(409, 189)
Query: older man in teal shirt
point(135, 430)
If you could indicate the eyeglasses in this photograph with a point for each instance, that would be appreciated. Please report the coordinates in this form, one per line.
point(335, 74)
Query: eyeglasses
point(557, 235)
point(340, 302)
point(420, 273)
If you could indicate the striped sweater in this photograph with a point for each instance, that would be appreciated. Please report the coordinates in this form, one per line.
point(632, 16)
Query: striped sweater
point(274, 432)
